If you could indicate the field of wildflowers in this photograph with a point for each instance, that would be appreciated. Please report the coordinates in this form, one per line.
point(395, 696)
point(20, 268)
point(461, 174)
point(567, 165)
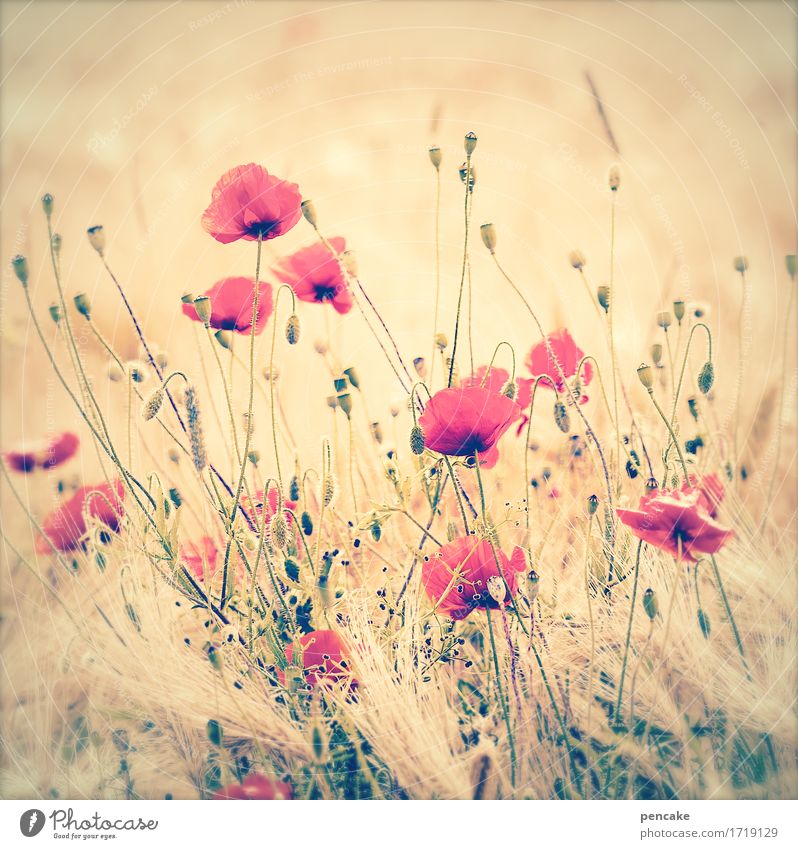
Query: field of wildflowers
point(531, 577)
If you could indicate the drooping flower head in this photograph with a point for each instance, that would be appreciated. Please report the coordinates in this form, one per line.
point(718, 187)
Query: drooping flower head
point(315, 275)
point(559, 349)
point(66, 526)
point(231, 305)
point(456, 578)
point(668, 519)
point(460, 422)
point(325, 659)
point(256, 787)
point(45, 454)
point(249, 202)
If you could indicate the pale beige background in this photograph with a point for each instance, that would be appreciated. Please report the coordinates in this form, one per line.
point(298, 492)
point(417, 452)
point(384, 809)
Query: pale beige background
point(129, 112)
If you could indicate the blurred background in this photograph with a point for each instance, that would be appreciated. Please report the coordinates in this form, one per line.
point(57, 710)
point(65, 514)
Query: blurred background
point(129, 112)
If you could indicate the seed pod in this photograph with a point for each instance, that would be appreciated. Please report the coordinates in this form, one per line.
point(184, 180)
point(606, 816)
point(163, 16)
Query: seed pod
point(706, 377)
point(47, 204)
point(678, 310)
point(345, 403)
point(138, 371)
point(352, 376)
point(741, 264)
point(20, 266)
point(224, 338)
point(114, 371)
point(533, 580)
point(631, 470)
point(664, 319)
point(187, 298)
point(435, 157)
point(577, 260)
point(416, 440)
point(470, 143)
point(96, 236)
point(497, 589)
point(651, 485)
point(614, 178)
point(441, 342)
point(214, 732)
point(790, 261)
point(420, 365)
point(488, 233)
point(376, 531)
point(650, 603)
point(692, 404)
point(56, 243)
point(603, 297)
point(561, 417)
point(376, 431)
point(55, 312)
point(254, 457)
point(278, 530)
point(292, 329)
point(704, 624)
point(83, 304)
point(203, 308)
point(293, 489)
point(309, 212)
point(349, 262)
point(306, 523)
point(150, 408)
point(645, 375)
point(592, 505)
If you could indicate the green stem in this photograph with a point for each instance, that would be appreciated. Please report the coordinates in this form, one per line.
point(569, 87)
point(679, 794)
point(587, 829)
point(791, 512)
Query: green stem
point(729, 614)
point(502, 700)
point(463, 273)
point(628, 635)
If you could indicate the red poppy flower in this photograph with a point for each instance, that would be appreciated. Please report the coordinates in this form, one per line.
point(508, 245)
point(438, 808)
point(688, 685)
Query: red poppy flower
point(564, 353)
point(201, 557)
point(231, 305)
point(496, 381)
point(711, 488)
point(248, 202)
point(324, 658)
point(66, 526)
point(666, 517)
point(45, 454)
point(459, 422)
point(456, 577)
point(256, 787)
point(315, 275)
point(258, 504)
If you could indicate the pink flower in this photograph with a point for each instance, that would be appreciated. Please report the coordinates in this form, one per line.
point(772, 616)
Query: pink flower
point(45, 454)
point(231, 305)
point(456, 577)
point(666, 517)
point(460, 422)
point(496, 381)
point(565, 354)
point(256, 787)
point(324, 658)
point(315, 275)
point(259, 504)
point(201, 556)
point(248, 202)
point(712, 490)
point(66, 526)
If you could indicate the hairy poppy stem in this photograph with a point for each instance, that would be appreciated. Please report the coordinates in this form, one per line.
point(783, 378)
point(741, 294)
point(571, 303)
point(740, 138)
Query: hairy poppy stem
point(463, 273)
point(673, 437)
point(502, 701)
point(628, 633)
point(729, 614)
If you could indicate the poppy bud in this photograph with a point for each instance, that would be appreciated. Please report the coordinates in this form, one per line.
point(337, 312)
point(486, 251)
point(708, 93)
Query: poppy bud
point(329, 490)
point(96, 236)
point(603, 296)
point(352, 376)
point(577, 260)
point(20, 266)
point(376, 531)
point(376, 431)
point(83, 304)
point(561, 417)
point(204, 309)
point(292, 329)
point(435, 157)
point(646, 378)
point(656, 353)
point(441, 341)
point(309, 211)
point(703, 622)
point(198, 452)
point(254, 457)
point(214, 732)
point(224, 338)
point(497, 589)
point(509, 390)
point(306, 523)
point(149, 409)
point(790, 260)
point(488, 233)
point(741, 264)
point(56, 243)
point(278, 530)
point(650, 603)
point(534, 585)
point(138, 371)
point(678, 310)
point(115, 373)
point(470, 143)
point(47, 204)
point(345, 403)
point(420, 366)
point(592, 505)
point(451, 531)
point(706, 377)
point(614, 178)
point(55, 312)
point(467, 171)
point(416, 440)
point(664, 319)
point(693, 407)
point(293, 488)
